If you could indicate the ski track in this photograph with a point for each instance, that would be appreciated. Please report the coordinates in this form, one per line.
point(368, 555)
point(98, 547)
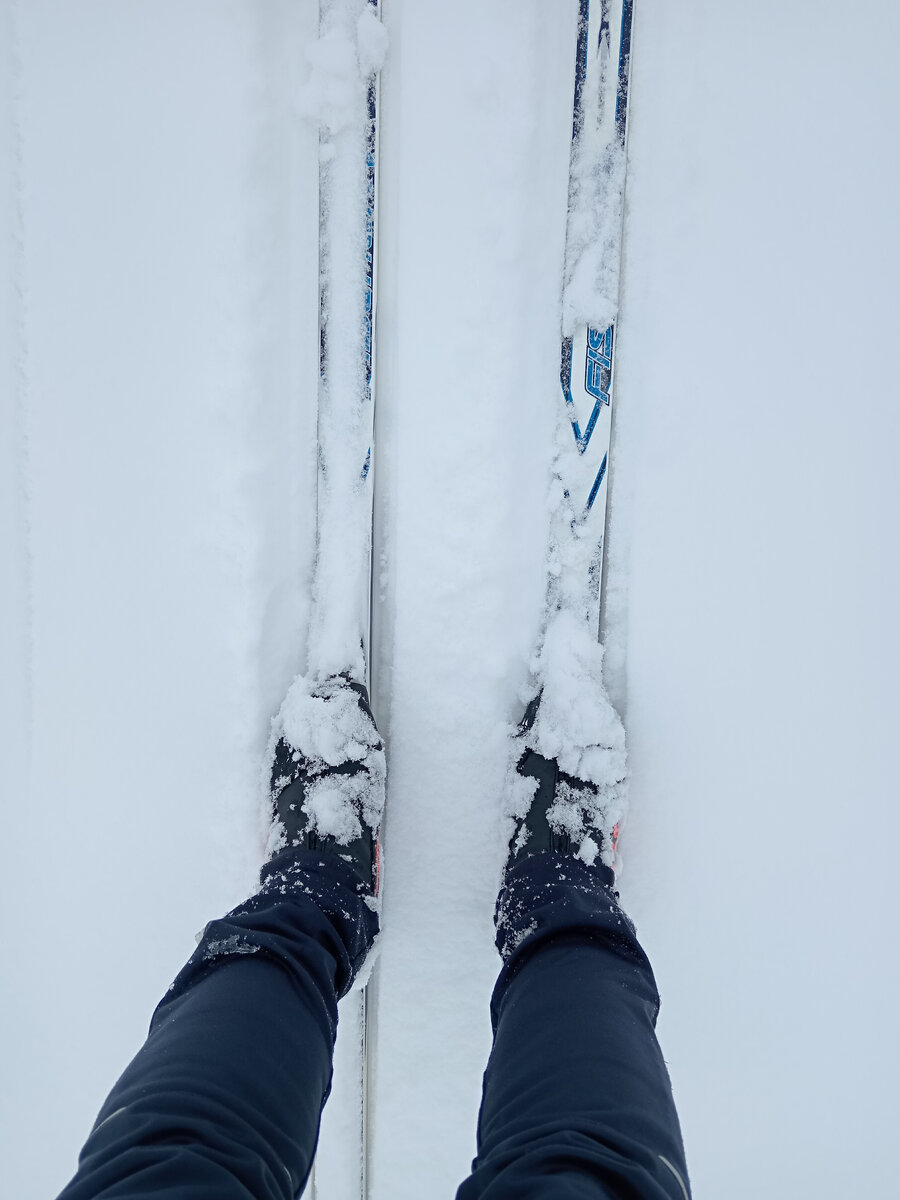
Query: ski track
point(468, 354)
point(158, 209)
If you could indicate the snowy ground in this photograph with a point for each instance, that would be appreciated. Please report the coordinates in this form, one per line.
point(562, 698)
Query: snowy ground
point(157, 366)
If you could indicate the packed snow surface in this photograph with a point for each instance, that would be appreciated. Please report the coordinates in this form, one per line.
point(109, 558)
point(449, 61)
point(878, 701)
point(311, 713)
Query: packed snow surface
point(159, 352)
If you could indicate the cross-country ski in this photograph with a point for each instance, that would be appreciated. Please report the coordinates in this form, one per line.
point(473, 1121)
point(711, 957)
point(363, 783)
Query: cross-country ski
point(569, 718)
point(343, 807)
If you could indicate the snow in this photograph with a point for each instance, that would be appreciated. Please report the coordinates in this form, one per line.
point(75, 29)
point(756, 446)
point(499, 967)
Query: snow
point(596, 191)
point(577, 725)
point(158, 359)
point(325, 725)
point(325, 722)
point(336, 95)
point(371, 42)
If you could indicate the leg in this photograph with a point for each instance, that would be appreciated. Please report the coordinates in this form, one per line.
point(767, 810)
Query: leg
point(577, 1101)
point(224, 1099)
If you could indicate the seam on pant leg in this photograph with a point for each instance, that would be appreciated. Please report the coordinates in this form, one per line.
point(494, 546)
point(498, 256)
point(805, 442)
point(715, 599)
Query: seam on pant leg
point(677, 1174)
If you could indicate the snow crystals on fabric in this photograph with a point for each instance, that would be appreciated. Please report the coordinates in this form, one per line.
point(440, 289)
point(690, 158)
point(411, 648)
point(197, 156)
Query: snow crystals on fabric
point(228, 946)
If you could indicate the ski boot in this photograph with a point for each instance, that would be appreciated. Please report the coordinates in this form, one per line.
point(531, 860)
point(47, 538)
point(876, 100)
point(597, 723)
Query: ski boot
point(557, 812)
point(328, 776)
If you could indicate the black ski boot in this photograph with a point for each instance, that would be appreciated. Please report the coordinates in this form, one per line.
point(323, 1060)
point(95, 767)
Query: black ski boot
point(565, 814)
point(328, 776)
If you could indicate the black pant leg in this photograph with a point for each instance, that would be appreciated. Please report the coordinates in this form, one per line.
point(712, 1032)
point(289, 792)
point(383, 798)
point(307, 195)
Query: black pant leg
point(577, 1103)
point(223, 1101)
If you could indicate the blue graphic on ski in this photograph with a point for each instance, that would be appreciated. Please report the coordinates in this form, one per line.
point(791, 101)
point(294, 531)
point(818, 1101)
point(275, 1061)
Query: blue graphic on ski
point(587, 356)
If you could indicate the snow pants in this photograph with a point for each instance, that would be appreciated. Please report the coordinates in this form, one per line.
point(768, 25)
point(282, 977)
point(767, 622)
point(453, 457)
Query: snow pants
point(224, 1099)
